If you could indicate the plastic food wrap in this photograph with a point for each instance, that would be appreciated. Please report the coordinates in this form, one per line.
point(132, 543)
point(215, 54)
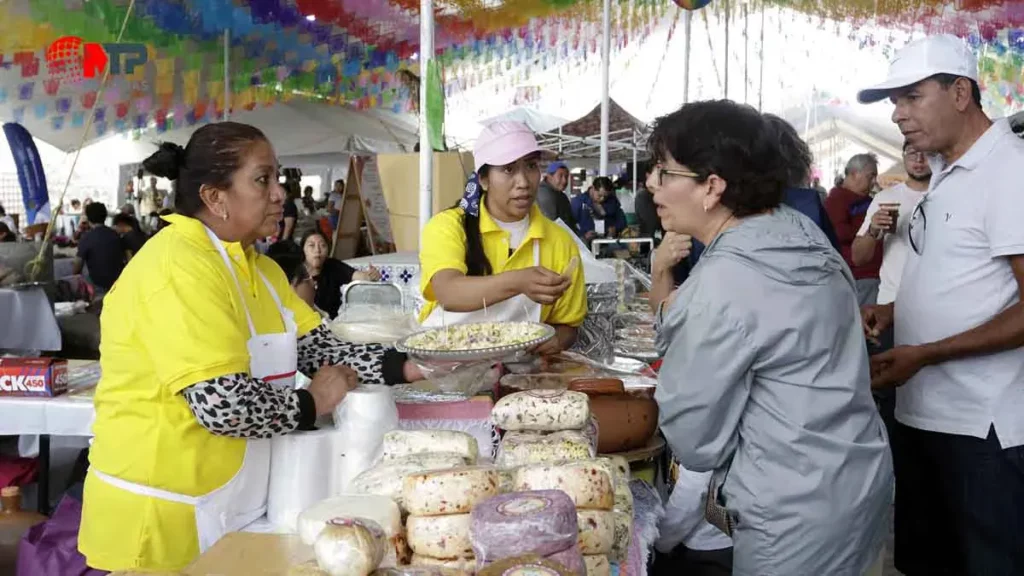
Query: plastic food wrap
point(464, 565)
point(439, 536)
point(597, 531)
point(542, 411)
point(454, 383)
point(596, 337)
point(571, 559)
point(597, 565)
point(350, 547)
point(373, 324)
point(522, 448)
point(453, 491)
point(362, 419)
point(526, 565)
point(589, 484)
point(539, 522)
point(399, 443)
point(380, 509)
point(385, 479)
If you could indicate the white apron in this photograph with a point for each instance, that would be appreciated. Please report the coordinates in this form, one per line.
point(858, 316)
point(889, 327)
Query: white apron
point(243, 499)
point(518, 308)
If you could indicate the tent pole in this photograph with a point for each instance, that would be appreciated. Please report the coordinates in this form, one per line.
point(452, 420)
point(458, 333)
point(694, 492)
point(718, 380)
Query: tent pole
point(634, 163)
point(426, 151)
point(760, 61)
point(727, 14)
point(688, 27)
point(746, 53)
point(227, 73)
point(606, 49)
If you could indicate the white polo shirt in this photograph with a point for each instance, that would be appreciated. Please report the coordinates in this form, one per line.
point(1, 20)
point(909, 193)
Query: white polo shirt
point(962, 279)
point(895, 245)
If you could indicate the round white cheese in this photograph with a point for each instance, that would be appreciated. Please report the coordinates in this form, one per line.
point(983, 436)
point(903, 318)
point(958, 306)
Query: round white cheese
point(385, 479)
point(596, 531)
point(467, 565)
point(588, 484)
point(453, 491)
point(398, 443)
point(439, 536)
point(350, 547)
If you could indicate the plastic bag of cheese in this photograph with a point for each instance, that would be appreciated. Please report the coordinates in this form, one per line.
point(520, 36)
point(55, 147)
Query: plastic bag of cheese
point(380, 509)
point(439, 536)
point(537, 522)
point(623, 535)
point(399, 443)
point(542, 411)
point(522, 448)
point(597, 531)
point(587, 482)
point(350, 547)
point(463, 565)
point(526, 564)
point(385, 479)
point(571, 559)
point(597, 565)
point(418, 571)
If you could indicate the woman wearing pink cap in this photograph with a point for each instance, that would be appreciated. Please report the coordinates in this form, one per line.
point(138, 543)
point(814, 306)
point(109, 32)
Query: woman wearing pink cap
point(494, 256)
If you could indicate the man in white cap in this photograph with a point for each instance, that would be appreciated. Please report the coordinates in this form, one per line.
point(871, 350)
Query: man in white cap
point(959, 325)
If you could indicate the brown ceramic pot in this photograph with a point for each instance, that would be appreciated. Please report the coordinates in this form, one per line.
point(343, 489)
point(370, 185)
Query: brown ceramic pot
point(626, 420)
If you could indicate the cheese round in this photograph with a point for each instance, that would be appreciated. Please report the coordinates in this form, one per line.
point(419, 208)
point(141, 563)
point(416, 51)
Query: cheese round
point(464, 565)
point(520, 449)
point(623, 535)
point(597, 531)
point(588, 484)
point(417, 571)
point(398, 443)
point(542, 411)
point(571, 559)
point(379, 509)
point(624, 498)
point(439, 536)
point(540, 522)
point(453, 491)
point(527, 565)
point(597, 565)
point(385, 479)
point(350, 547)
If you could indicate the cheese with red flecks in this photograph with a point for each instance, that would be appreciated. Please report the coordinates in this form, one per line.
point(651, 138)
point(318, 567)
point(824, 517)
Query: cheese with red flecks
point(439, 536)
point(588, 483)
point(453, 491)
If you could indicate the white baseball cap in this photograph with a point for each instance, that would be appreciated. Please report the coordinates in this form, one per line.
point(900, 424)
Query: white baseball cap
point(922, 59)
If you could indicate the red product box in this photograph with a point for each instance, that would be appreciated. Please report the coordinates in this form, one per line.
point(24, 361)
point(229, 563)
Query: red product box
point(33, 376)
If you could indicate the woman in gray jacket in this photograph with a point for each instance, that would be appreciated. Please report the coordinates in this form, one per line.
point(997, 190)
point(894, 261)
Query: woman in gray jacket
point(765, 376)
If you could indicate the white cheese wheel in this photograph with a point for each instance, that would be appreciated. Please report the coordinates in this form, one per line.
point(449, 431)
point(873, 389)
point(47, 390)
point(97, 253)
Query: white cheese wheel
point(623, 498)
point(597, 565)
point(465, 565)
point(623, 535)
point(350, 547)
point(542, 410)
point(511, 525)
point(453, 491)
point(587, 483)
point(398, 443)
point(439, 536)
point(597, 531)
point(522, 448)
point(385, 479)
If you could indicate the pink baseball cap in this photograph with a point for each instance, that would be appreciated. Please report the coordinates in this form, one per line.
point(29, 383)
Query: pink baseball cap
point(504, 142)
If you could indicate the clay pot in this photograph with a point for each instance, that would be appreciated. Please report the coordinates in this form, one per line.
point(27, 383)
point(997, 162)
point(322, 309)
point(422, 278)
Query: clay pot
point(625, 420)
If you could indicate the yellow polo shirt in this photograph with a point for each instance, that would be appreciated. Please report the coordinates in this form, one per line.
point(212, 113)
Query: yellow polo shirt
point(174, 318)
point(443, 247)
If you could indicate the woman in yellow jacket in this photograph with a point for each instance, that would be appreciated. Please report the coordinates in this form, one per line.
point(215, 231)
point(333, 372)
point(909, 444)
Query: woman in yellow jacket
point(495, 257)
point(201, 340)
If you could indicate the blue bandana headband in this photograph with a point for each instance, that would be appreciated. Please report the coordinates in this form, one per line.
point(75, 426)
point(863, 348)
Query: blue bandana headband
point(470, 201)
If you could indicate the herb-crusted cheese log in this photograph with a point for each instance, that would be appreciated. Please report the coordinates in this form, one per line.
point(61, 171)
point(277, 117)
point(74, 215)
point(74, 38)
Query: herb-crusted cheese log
point(385, 479)
point(398, 443)
point(522, 448)
point(597, 531)
point(588, 484)
point(542, 411)
point(453, 491)
point(597, 565)
point(439, 536)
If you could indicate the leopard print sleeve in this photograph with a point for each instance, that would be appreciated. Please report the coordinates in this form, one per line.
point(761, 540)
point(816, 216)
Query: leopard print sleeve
point(374, 363)
point(240, 406)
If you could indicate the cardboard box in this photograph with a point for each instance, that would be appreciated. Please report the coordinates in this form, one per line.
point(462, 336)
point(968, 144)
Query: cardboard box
point(43, 377)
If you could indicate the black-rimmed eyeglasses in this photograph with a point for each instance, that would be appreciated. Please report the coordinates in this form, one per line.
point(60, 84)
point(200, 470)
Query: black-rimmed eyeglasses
point(660, 171)
point(918, 227)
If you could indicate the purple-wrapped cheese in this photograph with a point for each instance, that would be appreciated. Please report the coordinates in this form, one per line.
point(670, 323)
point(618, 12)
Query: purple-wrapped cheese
point(539, 522)
point(571, 559)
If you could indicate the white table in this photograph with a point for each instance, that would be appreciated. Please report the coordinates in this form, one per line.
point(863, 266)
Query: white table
point(28, 320)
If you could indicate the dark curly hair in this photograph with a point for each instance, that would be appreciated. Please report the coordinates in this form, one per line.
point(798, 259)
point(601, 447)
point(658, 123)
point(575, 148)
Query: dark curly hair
point(734, 142)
